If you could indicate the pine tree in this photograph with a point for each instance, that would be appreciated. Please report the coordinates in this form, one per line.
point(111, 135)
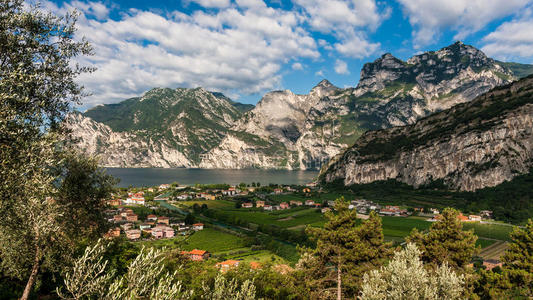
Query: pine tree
point(518, 260)
point(446, 241)
point(345, 250)
point(514, 280)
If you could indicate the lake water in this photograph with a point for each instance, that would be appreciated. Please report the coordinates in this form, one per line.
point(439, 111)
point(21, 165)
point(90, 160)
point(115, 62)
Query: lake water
point(155, 176)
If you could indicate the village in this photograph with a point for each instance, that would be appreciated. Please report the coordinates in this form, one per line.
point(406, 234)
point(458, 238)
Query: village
point(166, 212)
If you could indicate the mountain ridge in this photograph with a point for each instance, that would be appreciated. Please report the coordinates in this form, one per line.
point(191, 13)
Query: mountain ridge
point(470, 146)
point(301, 131)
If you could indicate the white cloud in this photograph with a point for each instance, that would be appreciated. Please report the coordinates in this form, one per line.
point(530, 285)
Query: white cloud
point(511, 40)
point(465, 17)
point(347, 20)
point(297, 66)
point(212, 3)
point(237, 51)
point(319, 73)
point(356, 47)
point(341, 67)
point(96, 9)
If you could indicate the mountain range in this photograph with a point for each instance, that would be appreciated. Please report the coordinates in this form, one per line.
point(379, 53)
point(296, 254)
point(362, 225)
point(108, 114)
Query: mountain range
point(473, 145)
point(197, 128)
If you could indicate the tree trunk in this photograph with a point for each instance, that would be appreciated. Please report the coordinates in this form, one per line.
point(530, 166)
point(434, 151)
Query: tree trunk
point(33, 276)
point(339, 283)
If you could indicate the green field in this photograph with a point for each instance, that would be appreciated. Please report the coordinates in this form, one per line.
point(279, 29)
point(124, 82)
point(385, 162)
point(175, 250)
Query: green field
point(398, 227)
point(208, 239)
point(284, 219)
point(213, 241)
point(494, 251)
point(218, 204)
point(263, 256)
point(491, 231)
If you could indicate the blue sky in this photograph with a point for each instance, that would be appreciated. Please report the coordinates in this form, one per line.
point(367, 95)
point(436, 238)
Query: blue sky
point(245, 48)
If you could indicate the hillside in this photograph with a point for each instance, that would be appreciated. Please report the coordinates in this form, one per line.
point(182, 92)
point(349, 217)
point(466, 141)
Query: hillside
point(470, 146)
point(163, 128)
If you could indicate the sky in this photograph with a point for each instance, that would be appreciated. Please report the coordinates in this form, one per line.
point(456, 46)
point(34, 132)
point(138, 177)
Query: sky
point(245, 48)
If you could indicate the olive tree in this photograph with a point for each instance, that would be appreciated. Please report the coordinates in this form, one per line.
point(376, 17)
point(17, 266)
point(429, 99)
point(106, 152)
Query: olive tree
point(37, 91)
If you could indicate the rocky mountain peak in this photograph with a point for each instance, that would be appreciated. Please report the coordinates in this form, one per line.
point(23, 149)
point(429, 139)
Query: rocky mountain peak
point(384, 69)
point(323, 88)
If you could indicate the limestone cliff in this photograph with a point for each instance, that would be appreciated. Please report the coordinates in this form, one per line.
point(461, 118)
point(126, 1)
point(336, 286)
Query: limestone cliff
point(470, 146)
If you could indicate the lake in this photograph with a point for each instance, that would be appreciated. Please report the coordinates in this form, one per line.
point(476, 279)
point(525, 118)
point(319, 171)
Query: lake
point(155, 176)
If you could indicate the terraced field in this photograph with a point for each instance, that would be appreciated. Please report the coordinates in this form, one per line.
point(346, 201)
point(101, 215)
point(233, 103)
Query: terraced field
point(494, 251)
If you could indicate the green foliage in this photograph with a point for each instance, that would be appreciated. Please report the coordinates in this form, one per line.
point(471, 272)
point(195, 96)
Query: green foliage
point(519, 70)
point(514, 280)
point(406, 278)
point(145, 278)
point(351, 248)
point(446, 241)
point(47, 192)
point(224, 289)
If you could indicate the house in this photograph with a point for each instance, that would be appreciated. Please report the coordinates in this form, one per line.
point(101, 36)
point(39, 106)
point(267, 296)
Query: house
point(184, 197)
point(164, 220)
point(205, 196)
point(227, 264)
point(462, 218)
point(296, 203)
point(276, 207)
point(127, 226)
point(254, 265)
point(229, 192)
point(487, 214)
point(150, 190)
point(331, 203)
point(117, 218)
point(392, 211)
point(317, 205)
point(164, 186)
point(474, 218)
point(168, 232)
point(114, 202)
point(259, 203)
point(247, 205)
point(157, 232)
point(198, 226)
point(151, 218)
point(144, 226)
point(196, 255)
point(125, 212)
point(278, 191)
point(267, 207)
point(133, 234)
point(113, 232)
point(284, 205)
point(325, 209)
point(306, 190)
point(492, 263)
point(309, 202)
point(135, 199)
point(131, 217)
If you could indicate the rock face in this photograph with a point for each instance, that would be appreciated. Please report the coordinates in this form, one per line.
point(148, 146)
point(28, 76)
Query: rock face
point(285, 130)
point(470, 146)
point(304, 131)
point(163, 128)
